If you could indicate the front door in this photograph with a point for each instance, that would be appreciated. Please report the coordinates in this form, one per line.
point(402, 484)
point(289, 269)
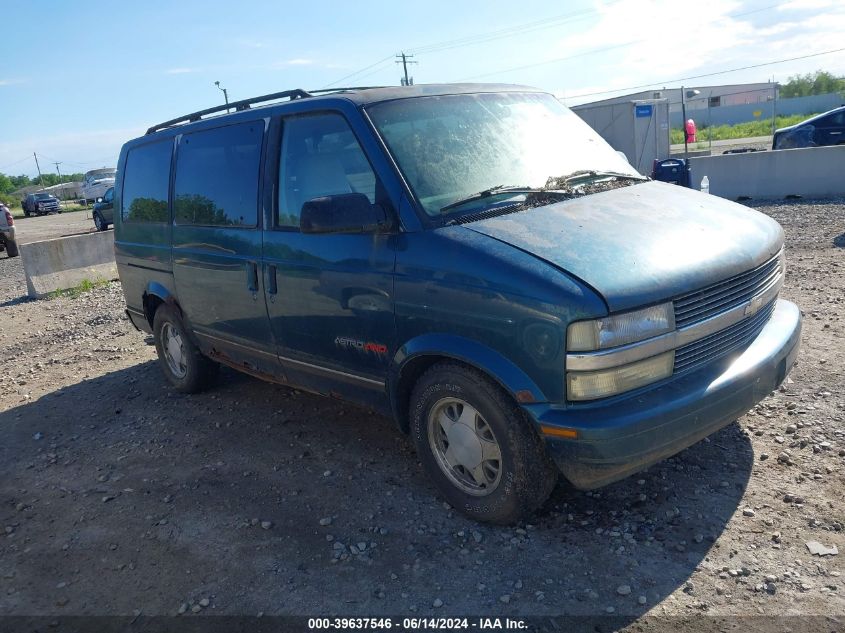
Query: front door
point(217, 244)
point(329, 296)
point(107, 207)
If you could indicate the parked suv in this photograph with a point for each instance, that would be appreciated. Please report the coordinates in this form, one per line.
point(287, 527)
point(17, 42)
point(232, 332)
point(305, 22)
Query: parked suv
point(8, 237)
point(472, 260)
point(827, 128)
point(104, 210)
point(40, 204)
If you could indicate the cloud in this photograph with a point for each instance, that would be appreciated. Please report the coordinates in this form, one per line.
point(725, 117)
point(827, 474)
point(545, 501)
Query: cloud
point(11, 82)
point(180, 71)
point(296, 61)
point(670, 44)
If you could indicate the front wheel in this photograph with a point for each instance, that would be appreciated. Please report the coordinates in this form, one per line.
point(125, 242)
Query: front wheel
point(183, 364)
point(478, 446)
point(99, 222)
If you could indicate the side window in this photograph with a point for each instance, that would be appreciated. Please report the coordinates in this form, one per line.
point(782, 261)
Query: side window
point(146, 182)
point(109, 196)
point(320, 156)
point(217, 176)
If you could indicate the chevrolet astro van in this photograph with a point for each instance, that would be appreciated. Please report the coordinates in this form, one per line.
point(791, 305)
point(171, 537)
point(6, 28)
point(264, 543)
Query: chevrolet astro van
point(473, 261)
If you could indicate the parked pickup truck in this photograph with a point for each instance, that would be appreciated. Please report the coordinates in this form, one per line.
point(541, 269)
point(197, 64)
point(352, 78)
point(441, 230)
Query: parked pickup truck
point(40, 204)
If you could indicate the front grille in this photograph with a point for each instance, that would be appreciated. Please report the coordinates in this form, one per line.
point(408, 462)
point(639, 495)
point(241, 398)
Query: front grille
point(723, 342)
point(703, 304)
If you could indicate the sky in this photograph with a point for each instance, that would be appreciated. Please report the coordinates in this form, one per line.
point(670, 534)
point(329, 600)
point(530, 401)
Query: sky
point(78, 79)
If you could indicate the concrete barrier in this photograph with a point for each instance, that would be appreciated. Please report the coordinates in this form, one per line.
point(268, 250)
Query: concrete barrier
point(68, 261)
point(815, 172)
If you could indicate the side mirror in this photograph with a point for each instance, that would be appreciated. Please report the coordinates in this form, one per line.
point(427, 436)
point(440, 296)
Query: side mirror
point(342, 213)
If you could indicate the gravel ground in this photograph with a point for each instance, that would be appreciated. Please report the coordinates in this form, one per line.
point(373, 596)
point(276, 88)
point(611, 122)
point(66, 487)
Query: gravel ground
point(119, 495)
point(45, 227)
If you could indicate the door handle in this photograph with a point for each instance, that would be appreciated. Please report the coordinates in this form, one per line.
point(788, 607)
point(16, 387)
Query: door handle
point(252, 276)
point(272, 288)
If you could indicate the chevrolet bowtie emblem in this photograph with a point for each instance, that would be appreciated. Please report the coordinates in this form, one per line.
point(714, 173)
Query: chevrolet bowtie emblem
point(753, 306)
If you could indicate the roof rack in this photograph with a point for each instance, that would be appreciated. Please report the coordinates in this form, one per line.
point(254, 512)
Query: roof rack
point(244, 104)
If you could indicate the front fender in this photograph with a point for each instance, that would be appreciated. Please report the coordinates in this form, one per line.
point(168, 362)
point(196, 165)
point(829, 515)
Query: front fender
point(515, 381)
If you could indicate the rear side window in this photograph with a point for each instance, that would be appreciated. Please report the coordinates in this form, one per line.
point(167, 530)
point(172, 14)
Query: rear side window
point(146, 182)
point(217, 176)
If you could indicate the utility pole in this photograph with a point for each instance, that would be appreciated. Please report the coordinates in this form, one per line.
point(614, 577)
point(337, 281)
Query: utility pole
point(684, 123)
point(38, 167)
point(225, 95)
point(406, 81)
point(774, 102)
point(59, 171)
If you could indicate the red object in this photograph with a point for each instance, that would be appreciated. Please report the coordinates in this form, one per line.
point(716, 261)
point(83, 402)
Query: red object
point(690, 130)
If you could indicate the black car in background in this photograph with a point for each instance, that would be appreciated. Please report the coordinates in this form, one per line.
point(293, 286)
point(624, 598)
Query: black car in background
point(827, 128)
point(40, 204)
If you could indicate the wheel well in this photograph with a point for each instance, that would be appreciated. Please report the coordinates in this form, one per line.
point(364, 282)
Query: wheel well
point(412, 371)
point(151, 304)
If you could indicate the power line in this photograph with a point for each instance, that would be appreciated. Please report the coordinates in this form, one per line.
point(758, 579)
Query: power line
point(601, 50)
point(526, 27)
point(713, 74)
point(478, 39)
point(510, 31)
point(552, 61)
point(357, 72)
point(18, 162)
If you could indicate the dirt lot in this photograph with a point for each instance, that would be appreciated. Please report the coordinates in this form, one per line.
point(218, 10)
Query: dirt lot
point(120, 496)
point(45, 227)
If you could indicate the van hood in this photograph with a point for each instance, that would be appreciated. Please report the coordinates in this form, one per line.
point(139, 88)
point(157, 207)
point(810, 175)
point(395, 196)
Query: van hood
point(642, 244)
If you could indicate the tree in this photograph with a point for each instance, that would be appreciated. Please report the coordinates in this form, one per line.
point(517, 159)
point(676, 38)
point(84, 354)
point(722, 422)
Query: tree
point(8, 184)
point(818, 83)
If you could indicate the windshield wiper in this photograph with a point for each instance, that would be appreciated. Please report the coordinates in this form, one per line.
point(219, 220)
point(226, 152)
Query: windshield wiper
point(489, 193)
point(585, 175)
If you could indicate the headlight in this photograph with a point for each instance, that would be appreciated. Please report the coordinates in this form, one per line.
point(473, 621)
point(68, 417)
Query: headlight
point(619, 329)
point(589, 385)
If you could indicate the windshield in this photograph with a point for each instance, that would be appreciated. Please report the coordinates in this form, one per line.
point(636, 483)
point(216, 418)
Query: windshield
point(100, 175)
point(42, 196)
point(451, 147)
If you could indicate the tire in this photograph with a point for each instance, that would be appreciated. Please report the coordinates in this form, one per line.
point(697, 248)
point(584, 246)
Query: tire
point(12, 249)
point(525, 476)
point(99, 222)
point(190, 371)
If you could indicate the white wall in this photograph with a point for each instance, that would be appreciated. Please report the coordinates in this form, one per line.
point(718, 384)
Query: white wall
point(816, 172)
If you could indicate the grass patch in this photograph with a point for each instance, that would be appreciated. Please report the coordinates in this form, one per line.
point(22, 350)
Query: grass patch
point(763, 127)
point(86, 285)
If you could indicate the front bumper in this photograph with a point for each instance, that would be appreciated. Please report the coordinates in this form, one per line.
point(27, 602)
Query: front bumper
point(626, 435)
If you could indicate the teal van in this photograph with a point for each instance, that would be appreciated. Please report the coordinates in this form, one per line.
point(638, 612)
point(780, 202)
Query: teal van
point(473, 261)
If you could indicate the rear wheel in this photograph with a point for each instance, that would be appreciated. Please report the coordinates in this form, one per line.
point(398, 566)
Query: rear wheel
point(183, 364)
point(12, 249)
point(478, 446)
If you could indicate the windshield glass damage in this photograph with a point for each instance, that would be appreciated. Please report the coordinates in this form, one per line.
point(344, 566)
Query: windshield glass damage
point(455, 150)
